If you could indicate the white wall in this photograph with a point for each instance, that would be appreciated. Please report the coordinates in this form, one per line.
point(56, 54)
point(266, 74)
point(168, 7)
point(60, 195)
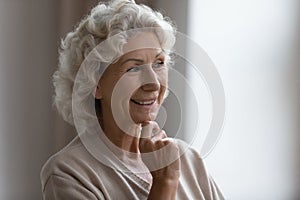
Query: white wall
point(254, 46)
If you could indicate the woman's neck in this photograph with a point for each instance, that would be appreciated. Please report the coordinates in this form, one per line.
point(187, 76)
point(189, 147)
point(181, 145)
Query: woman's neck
point(126, 141)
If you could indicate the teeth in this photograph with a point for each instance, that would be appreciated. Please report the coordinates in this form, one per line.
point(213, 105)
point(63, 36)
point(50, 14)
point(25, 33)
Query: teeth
point(145, 102)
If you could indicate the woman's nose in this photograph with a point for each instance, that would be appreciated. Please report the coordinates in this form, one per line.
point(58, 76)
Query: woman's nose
point(150, 79)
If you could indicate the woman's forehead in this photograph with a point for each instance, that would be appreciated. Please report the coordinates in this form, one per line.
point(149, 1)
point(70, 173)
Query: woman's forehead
point(146, 53)
point(141, 41)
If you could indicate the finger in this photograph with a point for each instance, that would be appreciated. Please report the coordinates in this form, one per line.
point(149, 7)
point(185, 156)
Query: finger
point(160, 135)
point(149, 128)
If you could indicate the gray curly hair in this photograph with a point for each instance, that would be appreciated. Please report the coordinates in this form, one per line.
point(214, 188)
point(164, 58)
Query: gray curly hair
point(107, 19)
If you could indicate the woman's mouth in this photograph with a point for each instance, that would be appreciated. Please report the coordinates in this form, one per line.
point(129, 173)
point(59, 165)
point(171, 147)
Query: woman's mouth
point(143, 102)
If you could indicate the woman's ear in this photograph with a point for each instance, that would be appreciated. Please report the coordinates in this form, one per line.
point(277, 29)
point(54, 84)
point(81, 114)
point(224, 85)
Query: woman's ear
point(98, 92)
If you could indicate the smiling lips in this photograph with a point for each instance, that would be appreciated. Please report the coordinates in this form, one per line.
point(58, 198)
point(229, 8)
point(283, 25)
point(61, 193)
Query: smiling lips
point(143, 102)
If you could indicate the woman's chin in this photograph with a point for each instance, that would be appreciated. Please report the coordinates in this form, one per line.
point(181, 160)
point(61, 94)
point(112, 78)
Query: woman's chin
point(142, 118)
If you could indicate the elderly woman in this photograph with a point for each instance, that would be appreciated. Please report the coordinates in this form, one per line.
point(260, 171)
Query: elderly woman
point(120, 55)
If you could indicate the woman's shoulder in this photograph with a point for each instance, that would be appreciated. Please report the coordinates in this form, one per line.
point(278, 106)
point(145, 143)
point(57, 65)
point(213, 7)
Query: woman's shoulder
point(66, 154)
point(187, 150)
point(72, 173)
point(195, 175)
point(191, 161)
point(69, 161)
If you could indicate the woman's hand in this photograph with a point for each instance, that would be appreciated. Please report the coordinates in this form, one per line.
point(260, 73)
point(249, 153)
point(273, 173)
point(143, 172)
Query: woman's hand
point(161, 155)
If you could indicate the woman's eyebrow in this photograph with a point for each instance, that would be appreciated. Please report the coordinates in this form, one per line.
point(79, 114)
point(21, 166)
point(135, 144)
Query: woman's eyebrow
point(138, 60)
point(132, 59)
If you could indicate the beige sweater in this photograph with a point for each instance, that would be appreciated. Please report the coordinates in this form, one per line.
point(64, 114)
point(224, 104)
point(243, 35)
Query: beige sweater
point(74, 174)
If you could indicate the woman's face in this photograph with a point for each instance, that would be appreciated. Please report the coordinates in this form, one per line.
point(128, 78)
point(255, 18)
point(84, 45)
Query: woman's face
point(135, 85)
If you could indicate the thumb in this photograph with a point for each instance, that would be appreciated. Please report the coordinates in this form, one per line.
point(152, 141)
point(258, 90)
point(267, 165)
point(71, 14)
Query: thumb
point(149, 128)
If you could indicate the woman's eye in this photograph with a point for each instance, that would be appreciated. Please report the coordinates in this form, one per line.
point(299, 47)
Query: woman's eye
point(133, 69)
point(158, 64)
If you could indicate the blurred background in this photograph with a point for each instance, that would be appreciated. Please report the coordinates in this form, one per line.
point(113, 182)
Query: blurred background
point(255, 45)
